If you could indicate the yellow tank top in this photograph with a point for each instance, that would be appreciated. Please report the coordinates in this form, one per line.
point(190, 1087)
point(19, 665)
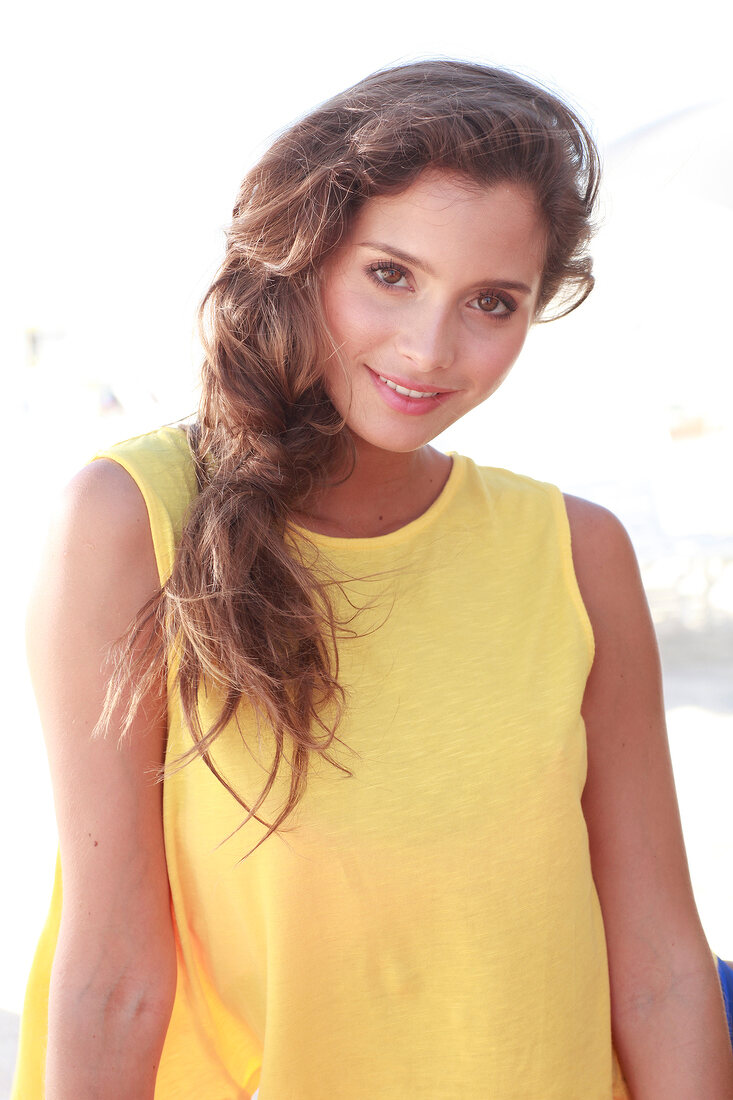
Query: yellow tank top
point(429, 926)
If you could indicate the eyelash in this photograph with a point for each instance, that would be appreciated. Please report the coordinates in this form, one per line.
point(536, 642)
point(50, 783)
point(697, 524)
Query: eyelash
point(505, 299)
point(382, 265)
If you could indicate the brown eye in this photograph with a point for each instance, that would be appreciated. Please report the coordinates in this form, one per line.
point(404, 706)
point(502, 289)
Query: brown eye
point(489, 303)
point(390, 275)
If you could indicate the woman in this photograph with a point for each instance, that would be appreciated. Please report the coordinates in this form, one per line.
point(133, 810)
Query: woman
point(417, 824)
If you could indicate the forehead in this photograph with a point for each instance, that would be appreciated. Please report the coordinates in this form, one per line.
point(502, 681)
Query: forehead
point(445, 216)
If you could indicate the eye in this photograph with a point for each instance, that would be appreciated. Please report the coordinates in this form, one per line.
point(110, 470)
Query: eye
point(498, 305)
point(386, 273)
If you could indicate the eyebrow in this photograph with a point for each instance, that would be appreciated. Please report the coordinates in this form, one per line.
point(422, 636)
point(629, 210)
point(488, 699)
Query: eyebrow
point(413, 261)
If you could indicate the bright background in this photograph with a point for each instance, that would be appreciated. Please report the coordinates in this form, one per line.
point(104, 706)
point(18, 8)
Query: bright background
point(129, 128)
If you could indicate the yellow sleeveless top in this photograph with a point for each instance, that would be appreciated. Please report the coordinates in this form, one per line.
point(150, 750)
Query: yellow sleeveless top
point(429, 926)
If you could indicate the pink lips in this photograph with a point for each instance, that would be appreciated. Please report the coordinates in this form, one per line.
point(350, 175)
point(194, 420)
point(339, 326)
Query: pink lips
point(413, 406)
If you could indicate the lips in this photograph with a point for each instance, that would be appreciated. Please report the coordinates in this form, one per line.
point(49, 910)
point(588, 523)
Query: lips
point(407, 392)
point(408, 397)
point(407, 387)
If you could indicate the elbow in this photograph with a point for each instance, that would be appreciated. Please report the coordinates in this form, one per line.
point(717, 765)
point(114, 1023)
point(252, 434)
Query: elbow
point(113, 1009)
point(138, 1003)
point(115, 977)
point(102, 1041)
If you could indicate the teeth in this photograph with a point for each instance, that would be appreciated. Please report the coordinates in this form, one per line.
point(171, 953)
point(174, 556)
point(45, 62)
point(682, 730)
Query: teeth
point(404, 391)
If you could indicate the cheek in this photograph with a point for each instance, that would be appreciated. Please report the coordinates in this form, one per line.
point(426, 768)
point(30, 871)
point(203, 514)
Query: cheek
point(352, 321)
point(492, 362)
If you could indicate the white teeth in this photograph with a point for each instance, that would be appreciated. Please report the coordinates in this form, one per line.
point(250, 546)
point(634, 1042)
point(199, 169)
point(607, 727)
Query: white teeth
point(404, 391)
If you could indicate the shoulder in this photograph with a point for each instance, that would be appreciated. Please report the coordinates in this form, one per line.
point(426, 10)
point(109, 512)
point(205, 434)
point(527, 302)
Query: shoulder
point(104, 486)
point(99, 548)
point(102, 504)
point(593, 528)
point(592, 523)
point(604, 560)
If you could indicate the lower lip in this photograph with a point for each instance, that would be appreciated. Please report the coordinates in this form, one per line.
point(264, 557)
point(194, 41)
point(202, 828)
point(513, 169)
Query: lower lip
point(413, 406)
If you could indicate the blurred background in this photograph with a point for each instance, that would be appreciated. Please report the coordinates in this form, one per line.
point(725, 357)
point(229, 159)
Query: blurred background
point(128, 128)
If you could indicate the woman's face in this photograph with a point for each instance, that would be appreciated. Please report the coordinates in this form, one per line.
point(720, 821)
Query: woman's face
point(428, 300)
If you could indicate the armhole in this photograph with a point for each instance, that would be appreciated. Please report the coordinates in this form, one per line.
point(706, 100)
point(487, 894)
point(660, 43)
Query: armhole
point(568, 568)
point(161, 527)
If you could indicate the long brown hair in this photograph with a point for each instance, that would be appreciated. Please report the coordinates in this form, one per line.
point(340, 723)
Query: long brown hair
point(243, 610)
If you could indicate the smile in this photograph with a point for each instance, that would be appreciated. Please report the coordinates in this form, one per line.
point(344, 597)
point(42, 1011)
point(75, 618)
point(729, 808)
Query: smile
point(404, 391)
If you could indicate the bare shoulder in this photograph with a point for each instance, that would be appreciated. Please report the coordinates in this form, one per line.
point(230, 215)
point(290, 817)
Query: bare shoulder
point(103, 503)
point(599, 538)
point(588, 519)
point(99, 544)
point(605, 563)
point(105, 478)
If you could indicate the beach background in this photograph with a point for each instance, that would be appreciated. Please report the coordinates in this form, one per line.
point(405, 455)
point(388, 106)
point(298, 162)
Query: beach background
point(130, 130)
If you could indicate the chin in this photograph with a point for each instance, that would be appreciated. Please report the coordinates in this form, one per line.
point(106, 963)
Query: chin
point(391, 442)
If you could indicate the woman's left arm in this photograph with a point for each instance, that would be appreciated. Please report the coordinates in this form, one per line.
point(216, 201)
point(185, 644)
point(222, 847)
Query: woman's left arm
point(668, 1018)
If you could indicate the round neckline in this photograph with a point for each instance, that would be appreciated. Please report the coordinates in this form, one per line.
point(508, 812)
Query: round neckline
point(414, 527)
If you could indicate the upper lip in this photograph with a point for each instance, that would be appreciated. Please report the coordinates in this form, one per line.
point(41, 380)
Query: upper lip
point(408, 383)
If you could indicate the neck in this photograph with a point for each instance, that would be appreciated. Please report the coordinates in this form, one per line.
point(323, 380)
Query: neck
point(384, 491)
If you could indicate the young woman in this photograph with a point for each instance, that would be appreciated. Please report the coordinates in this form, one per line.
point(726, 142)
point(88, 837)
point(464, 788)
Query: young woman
point(417, 832)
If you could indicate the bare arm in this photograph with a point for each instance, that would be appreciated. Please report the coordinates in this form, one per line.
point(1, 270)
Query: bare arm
point(114, 972)
point(668, 1017)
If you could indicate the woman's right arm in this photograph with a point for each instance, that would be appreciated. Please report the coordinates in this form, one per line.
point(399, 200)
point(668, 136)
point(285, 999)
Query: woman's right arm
point(114, 972)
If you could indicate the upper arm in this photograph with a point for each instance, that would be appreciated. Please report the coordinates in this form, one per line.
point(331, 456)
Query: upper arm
point(98, 570)
point(629, 801)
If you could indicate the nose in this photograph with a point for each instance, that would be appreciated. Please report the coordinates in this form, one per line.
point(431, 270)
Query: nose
point(427, 338)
